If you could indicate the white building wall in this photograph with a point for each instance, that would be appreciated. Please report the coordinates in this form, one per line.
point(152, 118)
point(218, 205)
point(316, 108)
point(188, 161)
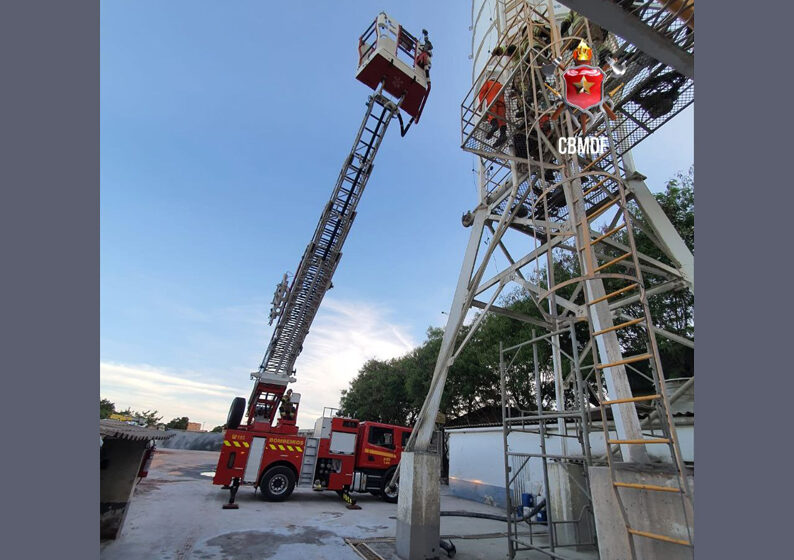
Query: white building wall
point(477, 468)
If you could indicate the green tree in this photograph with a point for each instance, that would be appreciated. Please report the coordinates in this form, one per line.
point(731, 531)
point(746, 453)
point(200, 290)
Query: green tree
point(393, 390)
point(217, 429)
point(106, 408)
point(178, 423)
point(378, 393)
point(150, 417)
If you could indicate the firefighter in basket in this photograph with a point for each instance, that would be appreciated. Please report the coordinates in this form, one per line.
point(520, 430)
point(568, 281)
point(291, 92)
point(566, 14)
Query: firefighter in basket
point(287, 409)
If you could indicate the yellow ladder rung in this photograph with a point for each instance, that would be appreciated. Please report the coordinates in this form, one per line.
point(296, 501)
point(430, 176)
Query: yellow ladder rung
point(658, 537)
point(607, 234)
point(601, 210)
point(620, 326)
point(629, 360)
point(647, 487)
point(596, 160)
point(554, 91)
point(614, 91)
point(613, 261)
point(594, 187)
point(612, 294)
point(632, 399)
point(637, 441)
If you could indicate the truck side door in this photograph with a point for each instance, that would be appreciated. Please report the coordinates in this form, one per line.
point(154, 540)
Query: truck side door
point(379, 449)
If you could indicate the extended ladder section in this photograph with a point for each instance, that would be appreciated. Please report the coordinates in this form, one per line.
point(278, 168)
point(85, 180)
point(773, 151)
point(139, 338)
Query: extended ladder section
point(321, 257)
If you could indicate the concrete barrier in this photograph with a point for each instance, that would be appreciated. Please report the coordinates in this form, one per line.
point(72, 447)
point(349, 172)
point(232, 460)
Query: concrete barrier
point(651, 511)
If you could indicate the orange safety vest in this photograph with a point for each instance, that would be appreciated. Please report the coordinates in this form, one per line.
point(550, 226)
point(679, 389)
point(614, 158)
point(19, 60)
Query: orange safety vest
point(489, 91)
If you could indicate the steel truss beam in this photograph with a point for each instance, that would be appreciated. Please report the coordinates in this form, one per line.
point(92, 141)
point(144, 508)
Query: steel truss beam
point(609, 15)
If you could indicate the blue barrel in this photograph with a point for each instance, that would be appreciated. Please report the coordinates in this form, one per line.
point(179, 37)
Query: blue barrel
point(527, 500)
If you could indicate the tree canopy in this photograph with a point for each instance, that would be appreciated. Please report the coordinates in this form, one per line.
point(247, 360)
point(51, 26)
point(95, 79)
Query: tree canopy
point(178, 423)
point(106, 408)
point(149, 417)
point(393, 391)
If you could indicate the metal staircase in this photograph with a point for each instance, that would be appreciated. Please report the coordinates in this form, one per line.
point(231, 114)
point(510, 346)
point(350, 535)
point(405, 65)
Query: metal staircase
point(319, 261)
point(635, 94)
point(309, 463)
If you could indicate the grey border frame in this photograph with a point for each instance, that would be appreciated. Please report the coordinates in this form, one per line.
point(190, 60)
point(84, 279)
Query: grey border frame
point(50, 278)
point(49, 217)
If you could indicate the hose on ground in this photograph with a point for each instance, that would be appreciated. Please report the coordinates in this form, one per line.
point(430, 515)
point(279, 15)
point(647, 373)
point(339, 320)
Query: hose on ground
point(541, 505)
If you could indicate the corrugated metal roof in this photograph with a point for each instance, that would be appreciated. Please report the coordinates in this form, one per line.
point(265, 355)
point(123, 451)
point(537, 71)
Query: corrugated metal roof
point(117, 429)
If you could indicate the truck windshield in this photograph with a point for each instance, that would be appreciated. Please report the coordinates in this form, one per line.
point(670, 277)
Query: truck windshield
point(383, 437)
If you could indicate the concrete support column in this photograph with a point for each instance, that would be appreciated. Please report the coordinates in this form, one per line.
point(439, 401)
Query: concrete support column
point(627, 423)
point(661, 513)
point(568, 502)
point(419, 506)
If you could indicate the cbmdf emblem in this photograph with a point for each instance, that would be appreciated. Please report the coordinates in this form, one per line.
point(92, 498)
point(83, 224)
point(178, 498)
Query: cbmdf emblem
point(584, 84)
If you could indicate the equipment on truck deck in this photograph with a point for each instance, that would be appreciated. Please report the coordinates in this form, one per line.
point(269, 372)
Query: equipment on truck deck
point(344, 454)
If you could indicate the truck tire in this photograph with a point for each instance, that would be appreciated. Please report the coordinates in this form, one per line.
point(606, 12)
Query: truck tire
point(277, 484)
point(236, 412)
point(385, 494)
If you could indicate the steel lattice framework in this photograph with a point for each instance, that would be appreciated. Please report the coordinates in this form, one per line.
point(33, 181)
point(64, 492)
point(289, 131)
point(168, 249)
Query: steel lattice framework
point(538, 207)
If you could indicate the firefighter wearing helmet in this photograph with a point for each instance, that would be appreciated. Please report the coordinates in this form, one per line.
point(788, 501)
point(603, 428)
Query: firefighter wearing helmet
point(287, 408)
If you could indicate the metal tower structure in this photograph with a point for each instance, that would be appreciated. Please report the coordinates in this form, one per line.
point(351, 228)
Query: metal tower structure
point(539, 206)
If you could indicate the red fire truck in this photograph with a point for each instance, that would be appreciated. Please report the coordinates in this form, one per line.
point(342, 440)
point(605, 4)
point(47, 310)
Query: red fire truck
point(343, 454)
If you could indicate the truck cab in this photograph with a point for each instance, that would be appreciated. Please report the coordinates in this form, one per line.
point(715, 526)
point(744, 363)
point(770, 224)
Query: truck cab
point(380, 445)
point(378, 453)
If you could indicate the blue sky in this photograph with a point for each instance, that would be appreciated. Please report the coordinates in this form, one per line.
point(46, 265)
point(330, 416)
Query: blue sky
point(223, 128)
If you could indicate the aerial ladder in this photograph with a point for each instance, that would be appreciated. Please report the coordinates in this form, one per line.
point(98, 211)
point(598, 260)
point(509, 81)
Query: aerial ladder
point(396, 65)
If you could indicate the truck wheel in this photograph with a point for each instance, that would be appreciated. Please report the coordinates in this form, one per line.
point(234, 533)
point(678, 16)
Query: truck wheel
point(277, 484)
point(386, 494)
point(236, 412)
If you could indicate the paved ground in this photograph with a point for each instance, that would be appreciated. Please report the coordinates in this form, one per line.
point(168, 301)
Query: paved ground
point(176, 514)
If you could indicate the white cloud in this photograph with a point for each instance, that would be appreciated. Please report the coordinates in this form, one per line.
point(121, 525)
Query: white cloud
point(344, 335)
point(173, 394)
